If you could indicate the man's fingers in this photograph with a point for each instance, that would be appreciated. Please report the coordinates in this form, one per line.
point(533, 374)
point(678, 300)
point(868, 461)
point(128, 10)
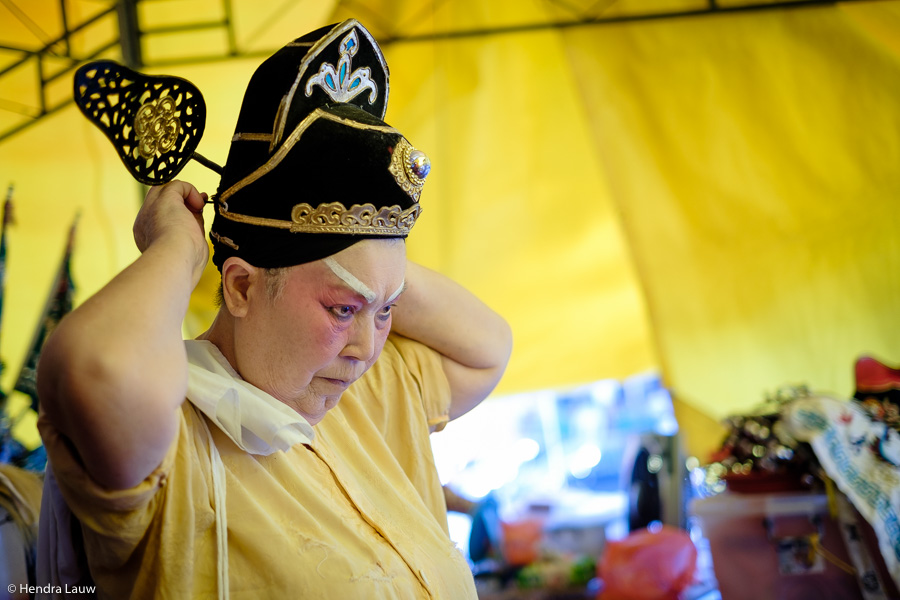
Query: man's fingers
point(192, 198)
point(195, 201)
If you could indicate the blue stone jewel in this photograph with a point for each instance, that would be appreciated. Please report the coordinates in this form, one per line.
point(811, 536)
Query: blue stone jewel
point(355, 83)
point(330, 81)
point(343, 72)
point(419, 164)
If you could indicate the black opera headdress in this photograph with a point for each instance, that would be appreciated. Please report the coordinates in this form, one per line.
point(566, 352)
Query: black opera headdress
point(312, 167)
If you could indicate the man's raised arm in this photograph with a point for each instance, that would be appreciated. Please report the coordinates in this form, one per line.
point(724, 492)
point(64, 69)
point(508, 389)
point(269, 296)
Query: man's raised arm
point(114, 372)
point(475, 341)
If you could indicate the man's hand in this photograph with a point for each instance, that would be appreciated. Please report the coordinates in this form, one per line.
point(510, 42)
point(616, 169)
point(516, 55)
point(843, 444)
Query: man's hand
point(173, 210)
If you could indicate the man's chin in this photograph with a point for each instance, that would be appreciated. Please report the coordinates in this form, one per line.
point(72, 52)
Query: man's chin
point(332, 401)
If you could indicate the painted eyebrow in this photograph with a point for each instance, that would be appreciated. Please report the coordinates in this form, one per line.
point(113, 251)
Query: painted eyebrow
point(356, 285)
point(399, 291)
point(347, 277)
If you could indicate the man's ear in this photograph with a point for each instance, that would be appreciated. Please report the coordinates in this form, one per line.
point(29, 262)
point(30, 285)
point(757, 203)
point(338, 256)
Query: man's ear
point(238, 277)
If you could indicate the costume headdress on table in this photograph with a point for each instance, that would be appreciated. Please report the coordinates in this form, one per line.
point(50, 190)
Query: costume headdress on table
point(312, 167)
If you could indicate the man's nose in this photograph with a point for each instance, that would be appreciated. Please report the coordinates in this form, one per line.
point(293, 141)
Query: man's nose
point(361, 344)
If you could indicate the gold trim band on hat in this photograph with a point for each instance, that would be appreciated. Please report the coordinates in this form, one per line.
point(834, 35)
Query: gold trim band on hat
point(223, 240)
point(252, 137)
point(334, 217)
point(292, 139)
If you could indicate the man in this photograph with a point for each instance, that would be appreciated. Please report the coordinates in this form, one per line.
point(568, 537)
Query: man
point(300, 465)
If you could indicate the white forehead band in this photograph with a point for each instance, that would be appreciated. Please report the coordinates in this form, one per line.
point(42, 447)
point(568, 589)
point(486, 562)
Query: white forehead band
point(347, 277)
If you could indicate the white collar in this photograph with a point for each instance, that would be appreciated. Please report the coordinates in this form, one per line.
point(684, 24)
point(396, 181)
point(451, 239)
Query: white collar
point(254, 420)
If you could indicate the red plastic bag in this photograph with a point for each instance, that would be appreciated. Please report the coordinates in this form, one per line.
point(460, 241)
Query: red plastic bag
point(648, 565)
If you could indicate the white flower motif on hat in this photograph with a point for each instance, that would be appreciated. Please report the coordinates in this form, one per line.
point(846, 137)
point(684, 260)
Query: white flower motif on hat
point(340, 83)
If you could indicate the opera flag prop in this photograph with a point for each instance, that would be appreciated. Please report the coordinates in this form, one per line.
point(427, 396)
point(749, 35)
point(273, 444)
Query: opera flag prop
point(59, 303)
point(7, 218)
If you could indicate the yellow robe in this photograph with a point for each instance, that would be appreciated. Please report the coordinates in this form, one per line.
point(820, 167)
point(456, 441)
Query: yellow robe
point(356, 513)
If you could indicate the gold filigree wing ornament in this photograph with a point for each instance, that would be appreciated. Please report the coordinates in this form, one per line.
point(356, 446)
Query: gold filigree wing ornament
point(154, 122)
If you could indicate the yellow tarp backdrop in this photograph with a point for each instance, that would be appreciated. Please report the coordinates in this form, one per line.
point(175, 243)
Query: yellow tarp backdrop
point(711, 196)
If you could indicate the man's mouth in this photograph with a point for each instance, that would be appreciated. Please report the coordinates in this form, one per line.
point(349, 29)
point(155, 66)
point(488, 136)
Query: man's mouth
point(336, 382)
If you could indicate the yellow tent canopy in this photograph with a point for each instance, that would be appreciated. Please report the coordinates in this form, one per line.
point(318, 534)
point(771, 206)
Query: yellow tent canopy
point(711, 194)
